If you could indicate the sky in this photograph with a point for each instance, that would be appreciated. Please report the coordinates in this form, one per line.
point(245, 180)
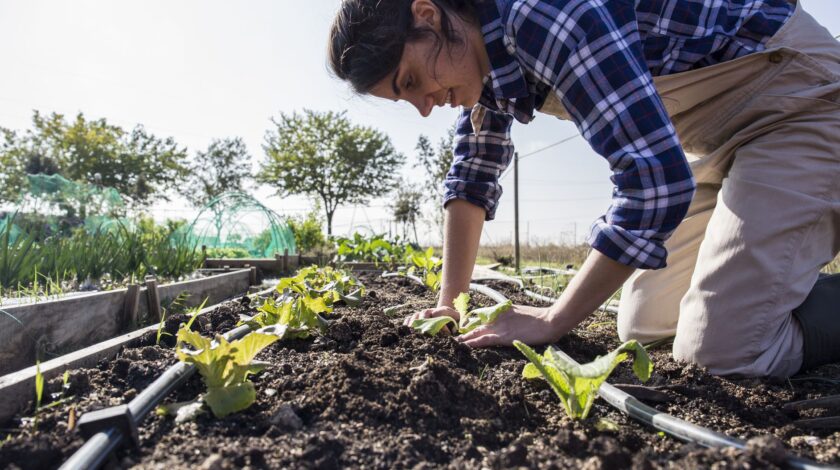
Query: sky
point(197, 70)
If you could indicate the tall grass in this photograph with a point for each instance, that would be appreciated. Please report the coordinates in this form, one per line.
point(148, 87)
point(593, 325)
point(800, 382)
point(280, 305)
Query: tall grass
point(86, 257)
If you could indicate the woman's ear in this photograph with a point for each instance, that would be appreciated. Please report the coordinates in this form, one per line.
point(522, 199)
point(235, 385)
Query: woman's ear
point(426, 14)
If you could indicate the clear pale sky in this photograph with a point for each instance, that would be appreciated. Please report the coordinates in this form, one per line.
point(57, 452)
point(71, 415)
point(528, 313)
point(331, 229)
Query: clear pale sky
point(198, 70)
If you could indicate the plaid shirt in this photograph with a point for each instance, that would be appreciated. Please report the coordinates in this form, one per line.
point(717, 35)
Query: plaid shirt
point(599, 57)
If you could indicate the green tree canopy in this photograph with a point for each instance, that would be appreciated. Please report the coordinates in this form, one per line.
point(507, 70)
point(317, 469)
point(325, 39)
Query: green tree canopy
point(224, 166)
point(325, 156)
point(139, 165)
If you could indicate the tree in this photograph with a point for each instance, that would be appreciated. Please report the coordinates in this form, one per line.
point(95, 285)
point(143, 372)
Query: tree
point(325, 156)
point(435, 164)
point(139, 165)
point(407, 207)
point(224, 166)
point(307, 230)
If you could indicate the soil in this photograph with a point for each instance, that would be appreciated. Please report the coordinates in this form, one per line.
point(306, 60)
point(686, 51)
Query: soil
point(372, 393)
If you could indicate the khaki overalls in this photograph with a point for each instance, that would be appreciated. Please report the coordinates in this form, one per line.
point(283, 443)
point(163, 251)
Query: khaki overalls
point(762, 134)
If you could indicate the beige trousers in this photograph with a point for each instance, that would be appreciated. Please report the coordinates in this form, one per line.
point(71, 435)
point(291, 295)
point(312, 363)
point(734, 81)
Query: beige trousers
point(762, 133)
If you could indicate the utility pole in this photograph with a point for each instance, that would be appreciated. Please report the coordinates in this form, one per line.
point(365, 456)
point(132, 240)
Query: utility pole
point(516, 211)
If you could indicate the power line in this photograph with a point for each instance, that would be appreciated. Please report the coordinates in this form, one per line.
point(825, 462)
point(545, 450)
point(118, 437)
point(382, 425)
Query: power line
point(555, 144)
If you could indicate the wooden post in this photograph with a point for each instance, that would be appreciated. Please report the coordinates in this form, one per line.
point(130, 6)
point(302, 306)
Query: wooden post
point(300, 260)
point(516, 211)
point(132, 303)
point(204, 255)
point(278, 264)
point(285, 260)
point(155, 312)
point(253, 276)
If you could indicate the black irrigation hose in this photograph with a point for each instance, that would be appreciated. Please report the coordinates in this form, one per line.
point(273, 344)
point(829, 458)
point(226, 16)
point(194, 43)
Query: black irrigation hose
point(98, 448)
point(676, 427)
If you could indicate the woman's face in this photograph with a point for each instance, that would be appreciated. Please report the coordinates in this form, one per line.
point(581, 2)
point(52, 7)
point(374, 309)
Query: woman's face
point(426, 78)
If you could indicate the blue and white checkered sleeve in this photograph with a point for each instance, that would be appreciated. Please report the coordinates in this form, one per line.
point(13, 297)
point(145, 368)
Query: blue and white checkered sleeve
point(479, 158)
point(589, 52)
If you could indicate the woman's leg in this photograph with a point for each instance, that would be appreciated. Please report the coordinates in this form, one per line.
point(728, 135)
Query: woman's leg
point(776, 223)
point(650, 300)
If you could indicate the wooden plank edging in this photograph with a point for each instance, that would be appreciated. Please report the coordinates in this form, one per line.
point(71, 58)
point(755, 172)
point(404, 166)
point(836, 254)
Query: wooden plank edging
point(58, 326)
point(18, 388)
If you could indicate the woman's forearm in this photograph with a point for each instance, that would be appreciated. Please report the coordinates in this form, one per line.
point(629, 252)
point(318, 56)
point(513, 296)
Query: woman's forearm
point(597, 280)
point(461, 236)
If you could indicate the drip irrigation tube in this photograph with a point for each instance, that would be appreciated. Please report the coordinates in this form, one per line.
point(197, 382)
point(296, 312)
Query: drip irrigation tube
point(535, 295)
point(675, 427)
point(125, 419)
point(481, 289)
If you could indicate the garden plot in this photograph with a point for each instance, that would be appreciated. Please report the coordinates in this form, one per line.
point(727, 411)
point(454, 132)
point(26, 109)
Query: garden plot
point(372, 393)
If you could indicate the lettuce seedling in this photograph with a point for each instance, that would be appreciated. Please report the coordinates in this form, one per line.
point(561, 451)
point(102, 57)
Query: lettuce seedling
point(470, 319)
point(333, 285)
point(225, 366)
point(300, 315)
point(427, 267)
point(578, 384)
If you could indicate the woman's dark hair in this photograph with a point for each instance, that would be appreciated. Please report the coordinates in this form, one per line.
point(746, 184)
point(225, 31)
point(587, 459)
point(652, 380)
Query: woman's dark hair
point(368, 37)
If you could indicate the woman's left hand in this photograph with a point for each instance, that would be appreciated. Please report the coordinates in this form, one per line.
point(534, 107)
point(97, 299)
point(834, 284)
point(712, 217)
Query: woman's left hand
point(531, 325)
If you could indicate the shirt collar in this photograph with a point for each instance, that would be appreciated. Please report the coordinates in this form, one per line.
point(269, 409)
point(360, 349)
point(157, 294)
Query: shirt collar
point(506, 77)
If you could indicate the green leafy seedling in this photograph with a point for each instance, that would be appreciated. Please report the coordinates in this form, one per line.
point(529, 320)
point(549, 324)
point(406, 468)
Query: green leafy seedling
point(225, 366)
point(432, 326)
point(160, 331)
point(194, 313)
point(39, 386)
point(577, 384)
point(470, 319)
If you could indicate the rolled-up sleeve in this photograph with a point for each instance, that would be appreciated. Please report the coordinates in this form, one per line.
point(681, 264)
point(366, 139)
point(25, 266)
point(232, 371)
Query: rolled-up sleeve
point(479, 158)
point(590, 54)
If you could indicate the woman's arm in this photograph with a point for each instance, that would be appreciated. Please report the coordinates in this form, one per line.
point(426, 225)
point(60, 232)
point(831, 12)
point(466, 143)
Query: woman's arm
point(598, 279)
point(461, 236)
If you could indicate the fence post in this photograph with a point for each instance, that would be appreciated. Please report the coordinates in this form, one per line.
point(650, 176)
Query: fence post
point(278, 264)
point(252, 280)
point(132, 303)
point(286, 261)
point(153, 297)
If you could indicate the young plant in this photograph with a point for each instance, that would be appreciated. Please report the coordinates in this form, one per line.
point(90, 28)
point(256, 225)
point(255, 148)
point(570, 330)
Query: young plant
point(427, 267)
point(470, 319)
point(39, 386)
point(160, 331)
point(577, 384)
point(305, 298)
point(225, 366)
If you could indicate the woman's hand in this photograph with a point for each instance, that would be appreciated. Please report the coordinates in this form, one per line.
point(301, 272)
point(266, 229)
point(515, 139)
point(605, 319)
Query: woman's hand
point(531, 325)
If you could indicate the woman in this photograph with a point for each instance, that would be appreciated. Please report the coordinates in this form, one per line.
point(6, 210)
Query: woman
point(749, 89)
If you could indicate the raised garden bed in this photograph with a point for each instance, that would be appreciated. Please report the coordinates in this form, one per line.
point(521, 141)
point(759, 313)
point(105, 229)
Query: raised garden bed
point(372, 393)
point(45, 330)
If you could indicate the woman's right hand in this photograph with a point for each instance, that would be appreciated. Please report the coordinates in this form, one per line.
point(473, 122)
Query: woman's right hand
point(431, 313)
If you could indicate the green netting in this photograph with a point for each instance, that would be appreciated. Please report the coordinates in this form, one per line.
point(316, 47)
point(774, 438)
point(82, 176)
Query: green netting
point(55, 196)
point(237, 225)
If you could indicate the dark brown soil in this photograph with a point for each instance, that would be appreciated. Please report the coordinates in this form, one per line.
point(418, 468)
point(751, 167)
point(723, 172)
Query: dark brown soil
point(371, 393)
